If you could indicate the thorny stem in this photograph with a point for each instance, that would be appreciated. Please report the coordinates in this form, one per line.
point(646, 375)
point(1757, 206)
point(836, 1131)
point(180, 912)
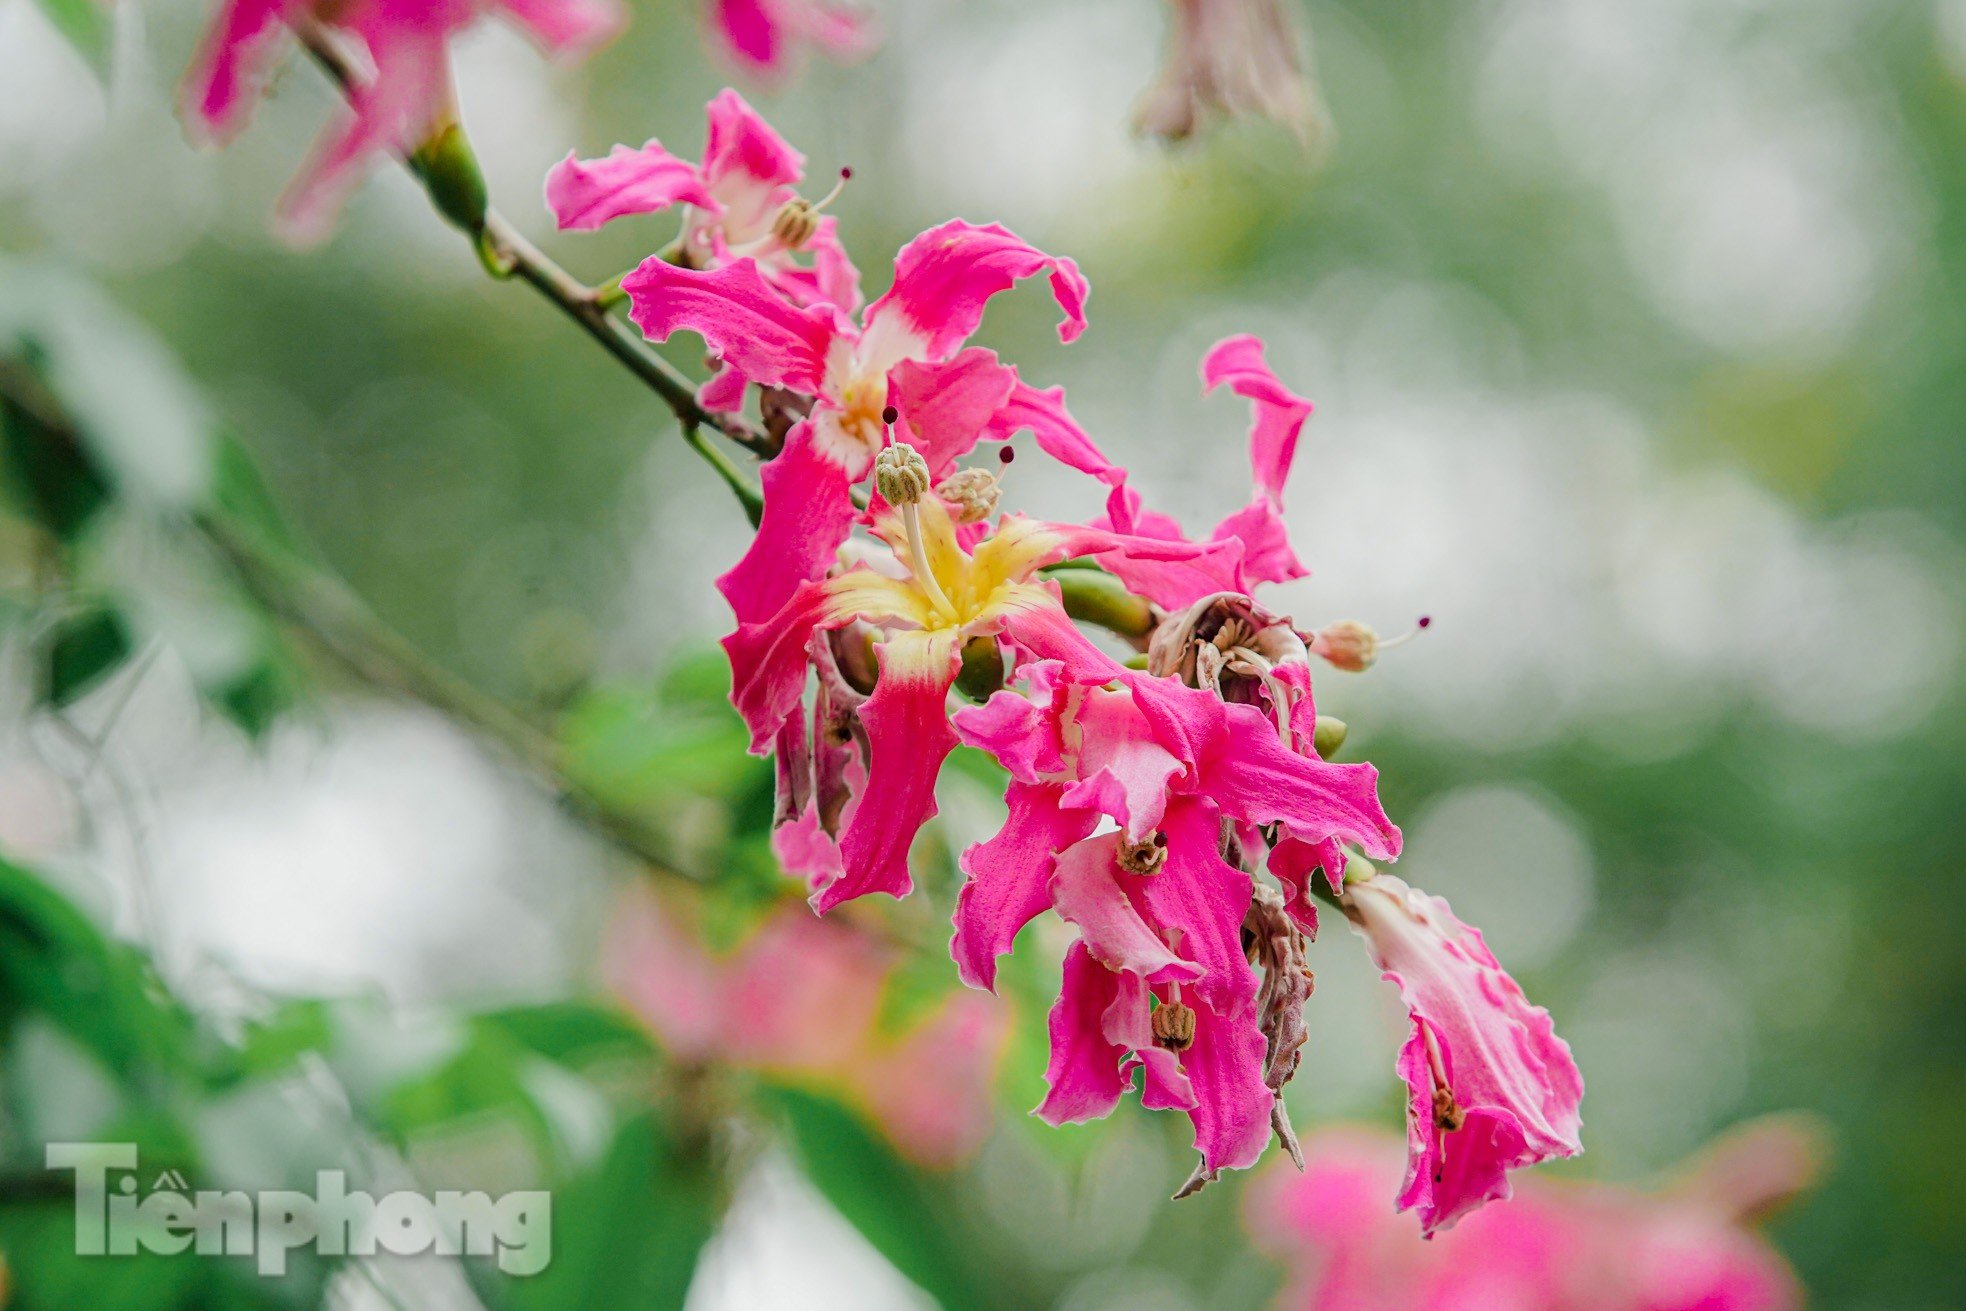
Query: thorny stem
point(507, 254)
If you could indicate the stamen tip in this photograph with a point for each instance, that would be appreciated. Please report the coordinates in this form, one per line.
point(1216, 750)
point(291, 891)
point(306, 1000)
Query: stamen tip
point(845, 173)
point(1007, 454)
point(890, 415)
point(1425, 621)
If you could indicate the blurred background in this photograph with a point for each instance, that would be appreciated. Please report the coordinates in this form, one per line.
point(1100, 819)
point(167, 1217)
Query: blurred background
point(1637, 330)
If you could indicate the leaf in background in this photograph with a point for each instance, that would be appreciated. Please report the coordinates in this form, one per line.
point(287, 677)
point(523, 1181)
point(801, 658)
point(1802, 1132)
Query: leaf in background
point(48, 469)
point(87, 25)
point(629, 1233)
point(897, 1208)
point(83, 650)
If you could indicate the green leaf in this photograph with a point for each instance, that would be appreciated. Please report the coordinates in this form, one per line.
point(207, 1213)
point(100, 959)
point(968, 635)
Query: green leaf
point(87, 24)
point(896, 1207)
point(85, 649)
point(48, 469)
point(628, 1234)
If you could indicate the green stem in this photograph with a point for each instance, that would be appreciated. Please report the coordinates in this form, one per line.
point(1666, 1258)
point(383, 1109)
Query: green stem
point(743, 488)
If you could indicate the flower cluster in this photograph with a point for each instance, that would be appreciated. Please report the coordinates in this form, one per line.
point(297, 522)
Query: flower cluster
point(1557, 1247)
point(1176, 809)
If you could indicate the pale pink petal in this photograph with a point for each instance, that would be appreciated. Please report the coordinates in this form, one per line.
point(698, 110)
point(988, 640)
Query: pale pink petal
point(1092, 892)
point(567, 27)
point(1056, 432)
point(1206, 898)
point(807, 515)
point(584, 194)
point(945, 276)
point(1510, 1075)
point(930, 1092)
point(741, 318)
point(1008, 881)
point(1126, 515)
point(1278, 412)
point(945, 407)
point(1171, 572)
point(225, 82)
point(665, 977)
point(1124, 773)
point(908, 736)
point(1041, 630)
point(1084, 1075)
point(843, 32)
point(803, 995)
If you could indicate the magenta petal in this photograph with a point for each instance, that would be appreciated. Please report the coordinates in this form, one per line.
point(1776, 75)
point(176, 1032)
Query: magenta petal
point(750, 32)
point(1507, 1071)
point(1279, 413)
point(1124, 772)
point(1020, 731)
point(945, 276)
point(584, 194)
point(1009, 878)
point(225, 81)
point(1084, 1074)
point(741, 145)
point(908, 736)
point(768, 664)
point(1092, 892)
point(1232, 1103)
point(1057, 433)
point(944, 407)
point(807, 851)
point(1206, 898)
point(1046, 632)
point(808, 513)
point(832, 279)
point(1169, 571)
point(1267, 556)
point(723, 391)
point(740, 317)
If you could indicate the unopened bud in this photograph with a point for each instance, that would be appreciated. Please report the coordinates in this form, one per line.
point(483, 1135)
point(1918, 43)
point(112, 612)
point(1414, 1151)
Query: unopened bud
point(1174, 1026)
point(1144, 858)
point(1329, 736)
point(1348, 644)
point(795, 224)
point(971, 493)
point(449, 172)
point(901, 475)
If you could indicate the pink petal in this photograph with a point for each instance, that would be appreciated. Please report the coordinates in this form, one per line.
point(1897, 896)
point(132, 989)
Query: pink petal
point(1232, 1104)
point(740, 317)
point(665, 977)
point(1008, 881)
point(1043, 631)
point(1511, 1076)
point(723, 391)
point(806, 851)
point(1091, 891)
point(1084, 1075)
point(1173, 573)
point(1124, 773)
point(843, 32)
point(1278, 412)
point(584, 194)
point(567, 27)
point(744, 149)
point(945, 407)
point(1021, 731)
point(392, 112)
point(750, 32)
point(225, 82)
point(944, 278)
point(1206, 898)
point(768, 663)
point(832, 279)
point(808, 514)
point(1267, 556)
point(908, 736)
point(1056, 432)
point(803, 995)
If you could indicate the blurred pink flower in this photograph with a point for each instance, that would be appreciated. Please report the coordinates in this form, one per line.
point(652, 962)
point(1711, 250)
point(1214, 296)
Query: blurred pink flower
point(801, 1000)
point(1491, 1086)
point(401, 95)
point(739, 203)
point(1555, 1247)
point(764, 36)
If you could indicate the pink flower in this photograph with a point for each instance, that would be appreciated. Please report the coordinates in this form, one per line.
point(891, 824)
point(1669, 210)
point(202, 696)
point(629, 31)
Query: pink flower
point(1556, 1247)
point(763, 35)
point(1230, 58)
point(1252, 545)
point(1491, 1086)
point(801, 999)
point(739, 203)
point(402, 95)
point(906, 355)
point(1160, 904)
